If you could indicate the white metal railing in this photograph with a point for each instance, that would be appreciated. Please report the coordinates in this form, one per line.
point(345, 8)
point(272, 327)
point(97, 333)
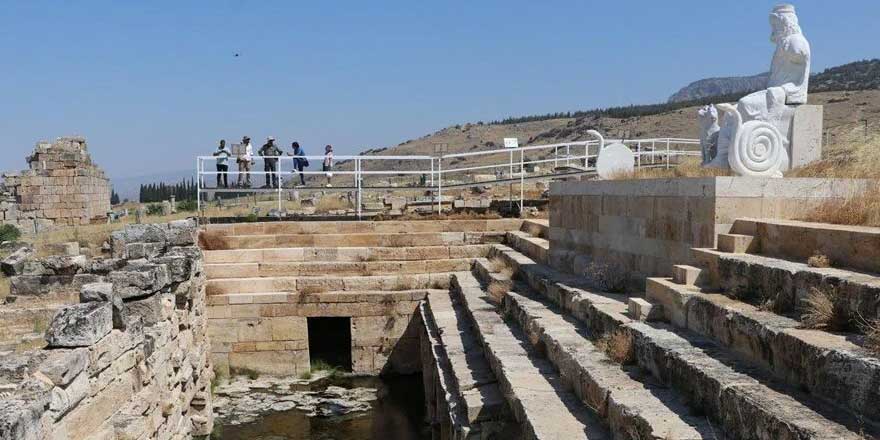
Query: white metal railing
point(567, 158)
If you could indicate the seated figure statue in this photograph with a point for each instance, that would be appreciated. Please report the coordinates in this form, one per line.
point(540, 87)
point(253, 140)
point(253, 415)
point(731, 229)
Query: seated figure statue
point(754, 133)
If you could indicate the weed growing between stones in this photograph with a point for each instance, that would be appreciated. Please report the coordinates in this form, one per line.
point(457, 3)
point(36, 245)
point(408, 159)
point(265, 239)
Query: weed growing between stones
point(819, 261)
point(251, 374)
point(618, 346)
point(499, 266)
point(607, 277)
point(820, 310)
point(859, 210)
point(872, 336)
point(497, 290)
point(319, 365)
point(534, 230)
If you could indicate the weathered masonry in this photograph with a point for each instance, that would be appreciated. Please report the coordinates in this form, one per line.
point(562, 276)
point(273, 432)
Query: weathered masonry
point(266, 281)
point(62, 186)
point(108, 348)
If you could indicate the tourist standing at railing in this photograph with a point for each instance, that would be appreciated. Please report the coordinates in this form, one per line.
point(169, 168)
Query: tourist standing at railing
point(244, 162)
point(222, 155)
point(270, 153)
point(328, 163)
point(299, 161)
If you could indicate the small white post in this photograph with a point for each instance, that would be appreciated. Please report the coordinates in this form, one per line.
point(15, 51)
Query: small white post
point(432, 172)
point(667, 153)
point(440, 185)
point(522, 180)
point(198, 185)
point(358, 184)
point(639, 152)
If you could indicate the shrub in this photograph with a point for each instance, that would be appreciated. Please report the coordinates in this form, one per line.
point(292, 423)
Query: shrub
point(819, 260)
point(154, 209)
point(618, 346)
point(872, 336)
point(497, 290)
point(862, 209)
point(9, 233)
point(187, 206)
point(500, 266)
point(820, 310)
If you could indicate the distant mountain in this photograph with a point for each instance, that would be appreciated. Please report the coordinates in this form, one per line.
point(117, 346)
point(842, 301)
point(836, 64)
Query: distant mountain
point(705, 88)
point(128, 187)
point(860, 75)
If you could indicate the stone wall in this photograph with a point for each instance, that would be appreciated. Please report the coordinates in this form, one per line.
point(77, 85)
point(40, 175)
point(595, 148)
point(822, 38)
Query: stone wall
point(268, 333)
point(129, 359)
point(62, 186)
point(644, 226)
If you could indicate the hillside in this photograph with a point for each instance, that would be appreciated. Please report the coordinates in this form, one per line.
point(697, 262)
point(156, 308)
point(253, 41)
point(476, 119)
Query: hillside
point(844, 111)
point(859, 75)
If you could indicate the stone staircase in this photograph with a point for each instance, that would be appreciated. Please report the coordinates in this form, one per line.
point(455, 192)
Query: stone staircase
point(680, 363)
point(264, 280)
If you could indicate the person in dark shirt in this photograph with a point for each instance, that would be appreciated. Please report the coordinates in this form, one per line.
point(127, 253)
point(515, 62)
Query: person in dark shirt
point(270, 153)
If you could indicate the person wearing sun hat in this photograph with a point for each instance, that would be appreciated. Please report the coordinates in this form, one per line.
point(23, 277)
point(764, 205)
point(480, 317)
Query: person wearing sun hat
point(270, 153)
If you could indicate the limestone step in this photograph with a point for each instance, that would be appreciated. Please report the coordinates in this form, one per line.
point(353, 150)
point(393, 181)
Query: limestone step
point(353, 254)
point(784, 284)
point(743, 399)
point(535, 248)
point(351, 240)
point(736, 243)
point(687, 275)
point(538, 398)
point(536, 227)
point(476, 407)
point(330, 303)
point(631, 405)
point(269, 269)
point(361, 227)
point(827, 365)
point(311, 285)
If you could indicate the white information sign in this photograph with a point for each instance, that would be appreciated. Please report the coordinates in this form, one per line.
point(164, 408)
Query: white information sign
point(511, 143)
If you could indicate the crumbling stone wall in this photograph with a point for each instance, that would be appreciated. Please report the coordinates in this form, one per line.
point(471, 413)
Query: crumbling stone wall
point(61, 187)
point(128, 360)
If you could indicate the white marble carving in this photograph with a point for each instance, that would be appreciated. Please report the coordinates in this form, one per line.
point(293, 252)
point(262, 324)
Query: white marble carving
point(615, 159)
point(709, 129)
point(762, 148)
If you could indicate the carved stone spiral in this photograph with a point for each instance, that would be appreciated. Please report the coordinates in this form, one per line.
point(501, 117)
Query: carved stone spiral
point(759, 150)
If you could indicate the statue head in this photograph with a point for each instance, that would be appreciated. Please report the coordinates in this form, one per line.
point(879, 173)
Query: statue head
point(784, 22)
point(708, 115)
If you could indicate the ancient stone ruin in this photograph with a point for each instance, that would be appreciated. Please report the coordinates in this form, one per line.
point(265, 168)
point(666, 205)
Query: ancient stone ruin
point(111, 348)
point(62, 186)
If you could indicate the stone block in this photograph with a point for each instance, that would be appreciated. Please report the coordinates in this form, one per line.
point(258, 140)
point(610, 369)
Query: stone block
point(80, 325)
point(806, 135)
point(641, 310)
point(62, 366)
point(737, 243)
point(687, 275)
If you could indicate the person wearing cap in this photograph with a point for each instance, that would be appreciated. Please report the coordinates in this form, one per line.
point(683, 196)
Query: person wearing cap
point(244, 163)
point(270, 153)
point(328, 163)
point(222, 155)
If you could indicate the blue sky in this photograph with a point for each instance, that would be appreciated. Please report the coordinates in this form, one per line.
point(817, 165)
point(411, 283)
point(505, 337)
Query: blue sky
point(152, 84)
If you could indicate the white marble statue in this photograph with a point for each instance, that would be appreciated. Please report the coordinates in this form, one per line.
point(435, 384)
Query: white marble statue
point(754, 135)
point(709, 128)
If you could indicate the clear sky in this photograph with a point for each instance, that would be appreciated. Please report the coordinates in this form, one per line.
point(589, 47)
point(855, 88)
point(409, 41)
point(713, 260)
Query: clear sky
point(153, 83)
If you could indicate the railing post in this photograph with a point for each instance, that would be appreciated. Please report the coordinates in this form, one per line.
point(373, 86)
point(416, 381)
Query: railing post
point(358, 185)
point(280, 183)
point(522, 180)
point(667, 153)
point(440, 185)
point(639, 157)
point(198, 186)
point(432, 172)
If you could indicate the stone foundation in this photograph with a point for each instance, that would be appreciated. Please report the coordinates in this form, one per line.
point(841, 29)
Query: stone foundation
point(61, 187)
point(128, 359)
point(645, 226)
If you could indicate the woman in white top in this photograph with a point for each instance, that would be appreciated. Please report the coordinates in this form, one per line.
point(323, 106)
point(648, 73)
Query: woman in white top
point(244, 163)
point(328, 163)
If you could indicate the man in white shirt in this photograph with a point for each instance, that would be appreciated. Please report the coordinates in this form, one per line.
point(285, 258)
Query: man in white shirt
point(244, 162)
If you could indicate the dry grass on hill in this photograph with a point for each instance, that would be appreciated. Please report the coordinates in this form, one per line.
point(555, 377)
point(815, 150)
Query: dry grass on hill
point(689, 167)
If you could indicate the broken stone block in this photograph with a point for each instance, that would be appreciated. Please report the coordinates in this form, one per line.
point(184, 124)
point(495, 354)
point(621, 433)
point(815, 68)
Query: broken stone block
point(96, 292)
point(136, 251)
point(80, 325)
point(66, 265)
point(140, 279)
point(64, 399)
point(179, 267)
point(13, 264)
point(62, 366)
point(151, 310)
point(182, 233)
